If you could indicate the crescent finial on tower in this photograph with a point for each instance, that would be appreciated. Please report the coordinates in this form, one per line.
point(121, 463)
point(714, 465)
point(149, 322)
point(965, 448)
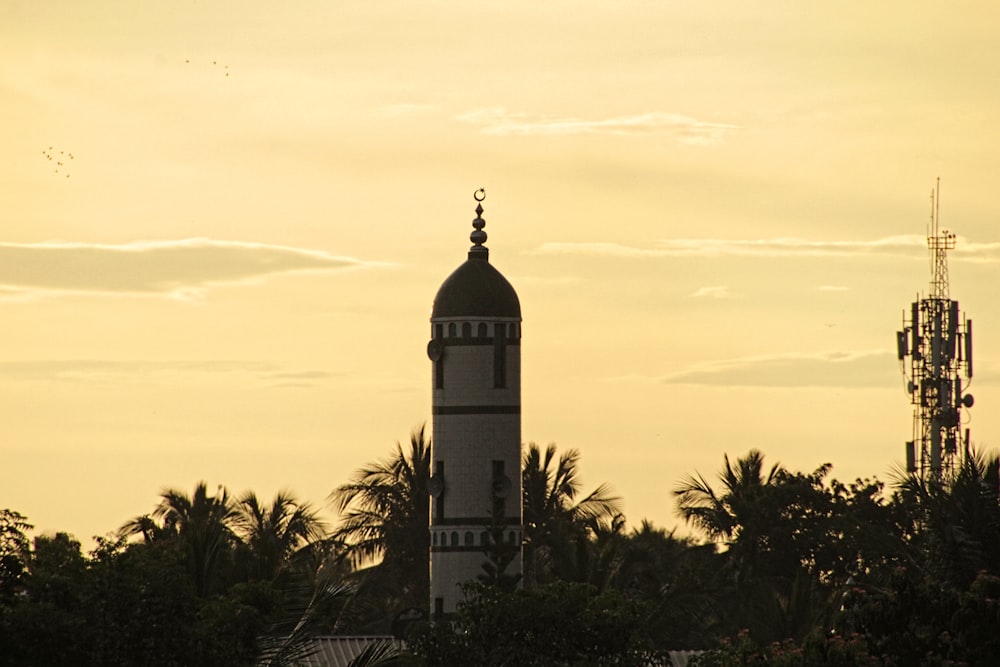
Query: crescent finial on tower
point(478, 236)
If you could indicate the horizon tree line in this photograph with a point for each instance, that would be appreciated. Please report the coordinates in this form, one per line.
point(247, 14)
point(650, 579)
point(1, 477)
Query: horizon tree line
point(794, 568)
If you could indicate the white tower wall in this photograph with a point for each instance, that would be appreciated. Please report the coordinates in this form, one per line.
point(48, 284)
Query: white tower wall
point(477, 429)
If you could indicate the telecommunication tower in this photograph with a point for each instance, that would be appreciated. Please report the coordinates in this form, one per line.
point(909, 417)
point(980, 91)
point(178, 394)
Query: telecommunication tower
point(937, 341)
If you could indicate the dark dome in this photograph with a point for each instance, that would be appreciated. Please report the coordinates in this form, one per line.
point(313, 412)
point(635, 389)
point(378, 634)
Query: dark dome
point(476, 289)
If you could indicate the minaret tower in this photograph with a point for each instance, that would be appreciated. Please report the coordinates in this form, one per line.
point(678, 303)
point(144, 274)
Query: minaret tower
point(937, 339)
point(475, 488)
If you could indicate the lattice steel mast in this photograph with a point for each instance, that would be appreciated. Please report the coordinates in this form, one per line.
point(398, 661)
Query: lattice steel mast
point(938, 343)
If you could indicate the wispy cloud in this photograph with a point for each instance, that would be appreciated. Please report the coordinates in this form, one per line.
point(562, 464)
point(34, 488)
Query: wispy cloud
point(144, 371)
point(911, 246)
point(552, 281)
point(877, 368)
point(712, 292)
point(180, 268)
point(687, 130)
point(75, 370)
point(596, 250)
point(299, 375)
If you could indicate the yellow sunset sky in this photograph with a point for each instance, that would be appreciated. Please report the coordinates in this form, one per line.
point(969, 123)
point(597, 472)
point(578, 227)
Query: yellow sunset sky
point(714, 214)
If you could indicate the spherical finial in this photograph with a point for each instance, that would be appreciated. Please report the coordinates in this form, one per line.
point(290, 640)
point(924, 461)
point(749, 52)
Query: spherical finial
point(478, 236)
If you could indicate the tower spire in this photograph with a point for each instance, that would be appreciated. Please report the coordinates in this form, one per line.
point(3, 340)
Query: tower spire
point(478, 236)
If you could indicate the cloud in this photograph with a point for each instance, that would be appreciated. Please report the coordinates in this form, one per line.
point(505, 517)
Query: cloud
point(127, 372)
point(769, 248)
point(181, 268)
point(713, 292)
point(74, 370)
point(687, 130)
point(908, 246)
point(553, 281)
point(299, 375)
point(298, 379)
point(826, 369)
point(596, 249)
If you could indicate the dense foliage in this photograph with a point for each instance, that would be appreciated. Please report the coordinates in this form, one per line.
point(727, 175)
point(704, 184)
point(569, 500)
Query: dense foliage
point(557, 625)
point(209, 581)
point(795, 569)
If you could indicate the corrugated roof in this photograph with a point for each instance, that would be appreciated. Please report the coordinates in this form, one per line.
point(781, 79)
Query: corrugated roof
point(338, 651)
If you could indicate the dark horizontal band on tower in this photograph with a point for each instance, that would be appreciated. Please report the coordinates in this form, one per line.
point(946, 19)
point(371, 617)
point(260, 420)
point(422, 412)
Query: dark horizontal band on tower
point(477, 409)
point(470, 549)
point(476, 521)
point(462, 342)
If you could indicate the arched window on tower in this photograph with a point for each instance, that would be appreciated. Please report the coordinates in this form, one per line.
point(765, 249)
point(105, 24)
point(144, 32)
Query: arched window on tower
point(466, 330)
point(484, 331)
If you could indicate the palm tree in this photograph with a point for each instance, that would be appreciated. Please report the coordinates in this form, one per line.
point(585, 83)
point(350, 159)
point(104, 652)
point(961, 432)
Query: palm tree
point(201, 525)
point(956, 521)
point(272, 534)
point(743, 516)
point(385, 513)
point(734, 514)
point(553, 514)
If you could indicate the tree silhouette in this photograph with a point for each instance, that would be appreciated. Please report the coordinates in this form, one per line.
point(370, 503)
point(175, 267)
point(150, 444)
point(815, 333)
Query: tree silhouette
point(200, 523)
point(384, 527)
point(956, 521)
point(272, 534)
point(735, 512)
point(554, 515)
point(15, 551)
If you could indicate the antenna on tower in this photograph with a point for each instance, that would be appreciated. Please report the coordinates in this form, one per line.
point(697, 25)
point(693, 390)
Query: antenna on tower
point(937, 341)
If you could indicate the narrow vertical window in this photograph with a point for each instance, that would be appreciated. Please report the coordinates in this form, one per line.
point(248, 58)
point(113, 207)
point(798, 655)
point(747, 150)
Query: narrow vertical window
point(499, 357)
point(439, 362)
point(499, 509)
point(439, 500)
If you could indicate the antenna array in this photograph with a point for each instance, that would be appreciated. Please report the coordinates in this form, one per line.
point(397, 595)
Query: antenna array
point(937, 340)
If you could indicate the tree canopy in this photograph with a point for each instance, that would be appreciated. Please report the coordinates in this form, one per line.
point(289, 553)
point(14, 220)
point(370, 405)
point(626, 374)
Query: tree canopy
point(784, 568)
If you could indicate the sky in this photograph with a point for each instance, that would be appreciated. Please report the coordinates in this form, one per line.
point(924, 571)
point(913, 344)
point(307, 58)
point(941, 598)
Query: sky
point(223, 224)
